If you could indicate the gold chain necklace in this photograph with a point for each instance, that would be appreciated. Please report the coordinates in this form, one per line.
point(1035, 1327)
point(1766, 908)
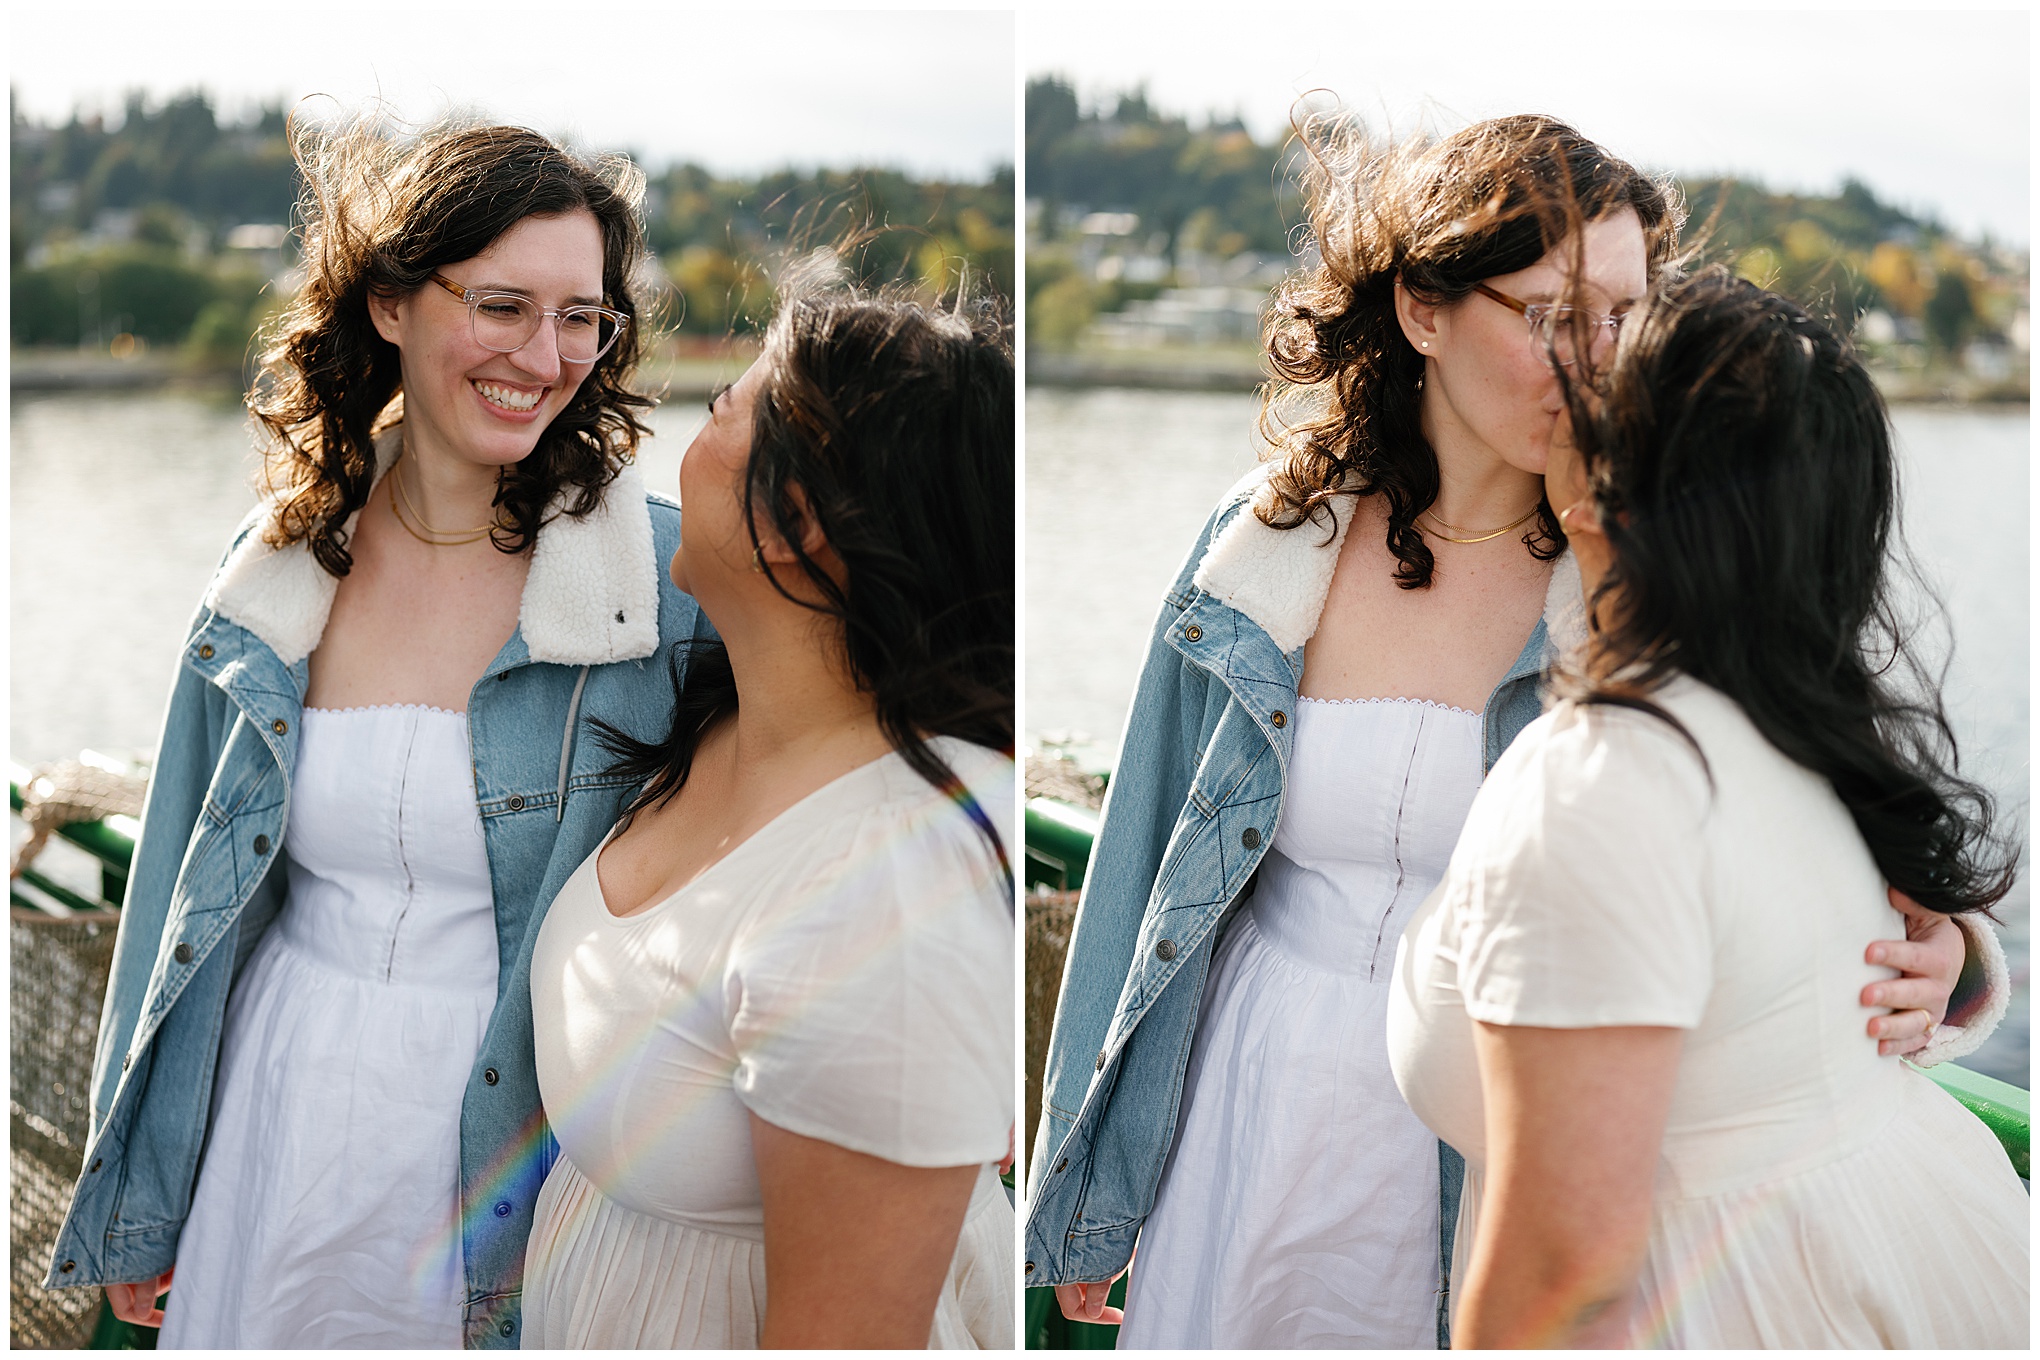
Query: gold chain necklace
point(447, 538)
point(1482, 538)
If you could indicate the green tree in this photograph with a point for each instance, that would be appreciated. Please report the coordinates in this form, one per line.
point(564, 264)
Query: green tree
point(1950, 313)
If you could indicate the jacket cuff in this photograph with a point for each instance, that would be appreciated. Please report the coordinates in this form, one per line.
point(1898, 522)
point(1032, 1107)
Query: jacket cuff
point(1976, 1017)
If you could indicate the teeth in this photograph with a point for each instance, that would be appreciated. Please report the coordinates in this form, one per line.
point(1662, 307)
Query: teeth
point(509, 397)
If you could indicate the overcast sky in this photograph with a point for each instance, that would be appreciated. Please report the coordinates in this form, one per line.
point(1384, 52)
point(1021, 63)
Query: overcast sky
point(1930, 109)
point(926, 91)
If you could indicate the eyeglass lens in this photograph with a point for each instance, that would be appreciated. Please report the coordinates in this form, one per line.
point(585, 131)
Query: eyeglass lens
point(505, 322)
point(1559, 331)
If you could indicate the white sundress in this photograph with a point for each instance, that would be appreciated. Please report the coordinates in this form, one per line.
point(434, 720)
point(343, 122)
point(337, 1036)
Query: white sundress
point(1299, 1204)
point(326, 1209)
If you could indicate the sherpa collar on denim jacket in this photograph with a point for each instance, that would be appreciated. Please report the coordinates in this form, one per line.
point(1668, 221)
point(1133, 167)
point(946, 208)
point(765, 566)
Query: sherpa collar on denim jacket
point(1279, 578)
point(592, 595)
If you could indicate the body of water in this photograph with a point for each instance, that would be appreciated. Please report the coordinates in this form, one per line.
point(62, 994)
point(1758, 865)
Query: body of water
point(1119, 482)
point(122, 505)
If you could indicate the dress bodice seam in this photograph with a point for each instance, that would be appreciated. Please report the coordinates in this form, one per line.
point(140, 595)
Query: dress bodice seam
point(1420, 703)
point(393, 708)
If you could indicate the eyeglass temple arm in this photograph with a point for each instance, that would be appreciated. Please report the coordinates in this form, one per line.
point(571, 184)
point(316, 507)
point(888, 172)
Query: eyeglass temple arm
point(1521, 308)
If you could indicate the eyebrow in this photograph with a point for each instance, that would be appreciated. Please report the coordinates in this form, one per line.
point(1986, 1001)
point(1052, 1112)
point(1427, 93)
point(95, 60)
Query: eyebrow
point(1546, 295)
point(577, 301)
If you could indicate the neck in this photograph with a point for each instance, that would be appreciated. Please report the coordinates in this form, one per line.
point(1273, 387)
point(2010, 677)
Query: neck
point(798, 700)
point(450, 493)
point(1477, 489)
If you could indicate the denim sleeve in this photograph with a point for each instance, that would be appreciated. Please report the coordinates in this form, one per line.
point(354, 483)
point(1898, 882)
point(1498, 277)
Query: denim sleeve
point(1151, 780)
point(195, 726)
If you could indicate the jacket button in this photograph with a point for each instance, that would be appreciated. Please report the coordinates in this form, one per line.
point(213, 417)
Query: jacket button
point(1194, 633)
point(489, 1075)
point(67, 1267)
point(1030, 1268)
point(94, 1166)
point(502, 675)
point(507, 1328)
point(1099, 1066)
point(1061, 1164)
point(1279, 718)
point(125, 1060)
point(205, 651)
point(503, 1208)
point(279, 727)
point(517, 802)
point(1251, 837)
point(1165, 950)
point(182, 953)
point(262, 845)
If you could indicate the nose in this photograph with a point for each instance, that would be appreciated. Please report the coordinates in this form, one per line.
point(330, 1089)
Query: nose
point(1602, 347)
point(540, 355)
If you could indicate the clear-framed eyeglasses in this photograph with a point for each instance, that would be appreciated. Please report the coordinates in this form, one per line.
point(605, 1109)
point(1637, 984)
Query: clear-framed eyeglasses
point(505, 322)
point(1557, 328)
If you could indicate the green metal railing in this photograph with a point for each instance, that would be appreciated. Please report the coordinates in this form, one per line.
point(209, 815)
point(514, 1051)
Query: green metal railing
point(111, 842)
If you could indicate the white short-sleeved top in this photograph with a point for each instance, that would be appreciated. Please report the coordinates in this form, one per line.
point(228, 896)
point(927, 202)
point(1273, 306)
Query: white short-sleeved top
point(1608, 875)
point(846, 974)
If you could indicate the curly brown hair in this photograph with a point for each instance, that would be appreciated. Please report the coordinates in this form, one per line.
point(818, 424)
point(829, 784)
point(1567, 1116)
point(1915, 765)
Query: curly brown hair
point(378, 214)
point(1439, 217)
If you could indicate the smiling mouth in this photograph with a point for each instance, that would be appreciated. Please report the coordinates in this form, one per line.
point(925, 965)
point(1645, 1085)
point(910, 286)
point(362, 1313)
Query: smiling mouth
point(509, 398)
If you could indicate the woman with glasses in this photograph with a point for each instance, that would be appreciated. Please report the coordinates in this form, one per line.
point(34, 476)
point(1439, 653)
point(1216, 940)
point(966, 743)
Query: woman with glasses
point(314, 1093)
point(1360, 631)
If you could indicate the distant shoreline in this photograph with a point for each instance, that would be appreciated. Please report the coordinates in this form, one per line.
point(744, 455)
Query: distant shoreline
point(694, 376)
point(1241, 372)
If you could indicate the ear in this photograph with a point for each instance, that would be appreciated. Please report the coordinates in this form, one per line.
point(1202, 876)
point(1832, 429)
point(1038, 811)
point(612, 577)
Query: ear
point(1582, 517)
point(812, 541)
point(384, 314)
point(1418, 319)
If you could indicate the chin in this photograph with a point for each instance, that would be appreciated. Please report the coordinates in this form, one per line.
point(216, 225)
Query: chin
point(1531, 456)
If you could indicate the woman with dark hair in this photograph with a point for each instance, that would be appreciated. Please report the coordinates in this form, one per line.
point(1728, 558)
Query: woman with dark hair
point(1627, 1002)
point(314, 1089)
point(1360, 631)
point(774, 1011)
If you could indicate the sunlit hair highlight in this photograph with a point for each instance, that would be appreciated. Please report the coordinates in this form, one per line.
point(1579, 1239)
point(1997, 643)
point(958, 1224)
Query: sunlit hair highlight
point(379, 213)
point(1438, 216)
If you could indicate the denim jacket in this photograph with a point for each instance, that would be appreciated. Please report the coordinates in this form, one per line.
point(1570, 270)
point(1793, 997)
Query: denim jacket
point(597, 618)
point(1192, 807)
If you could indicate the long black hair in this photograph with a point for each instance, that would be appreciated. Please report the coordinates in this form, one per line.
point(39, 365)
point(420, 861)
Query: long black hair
point(893, 420)
point(1741, 462)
